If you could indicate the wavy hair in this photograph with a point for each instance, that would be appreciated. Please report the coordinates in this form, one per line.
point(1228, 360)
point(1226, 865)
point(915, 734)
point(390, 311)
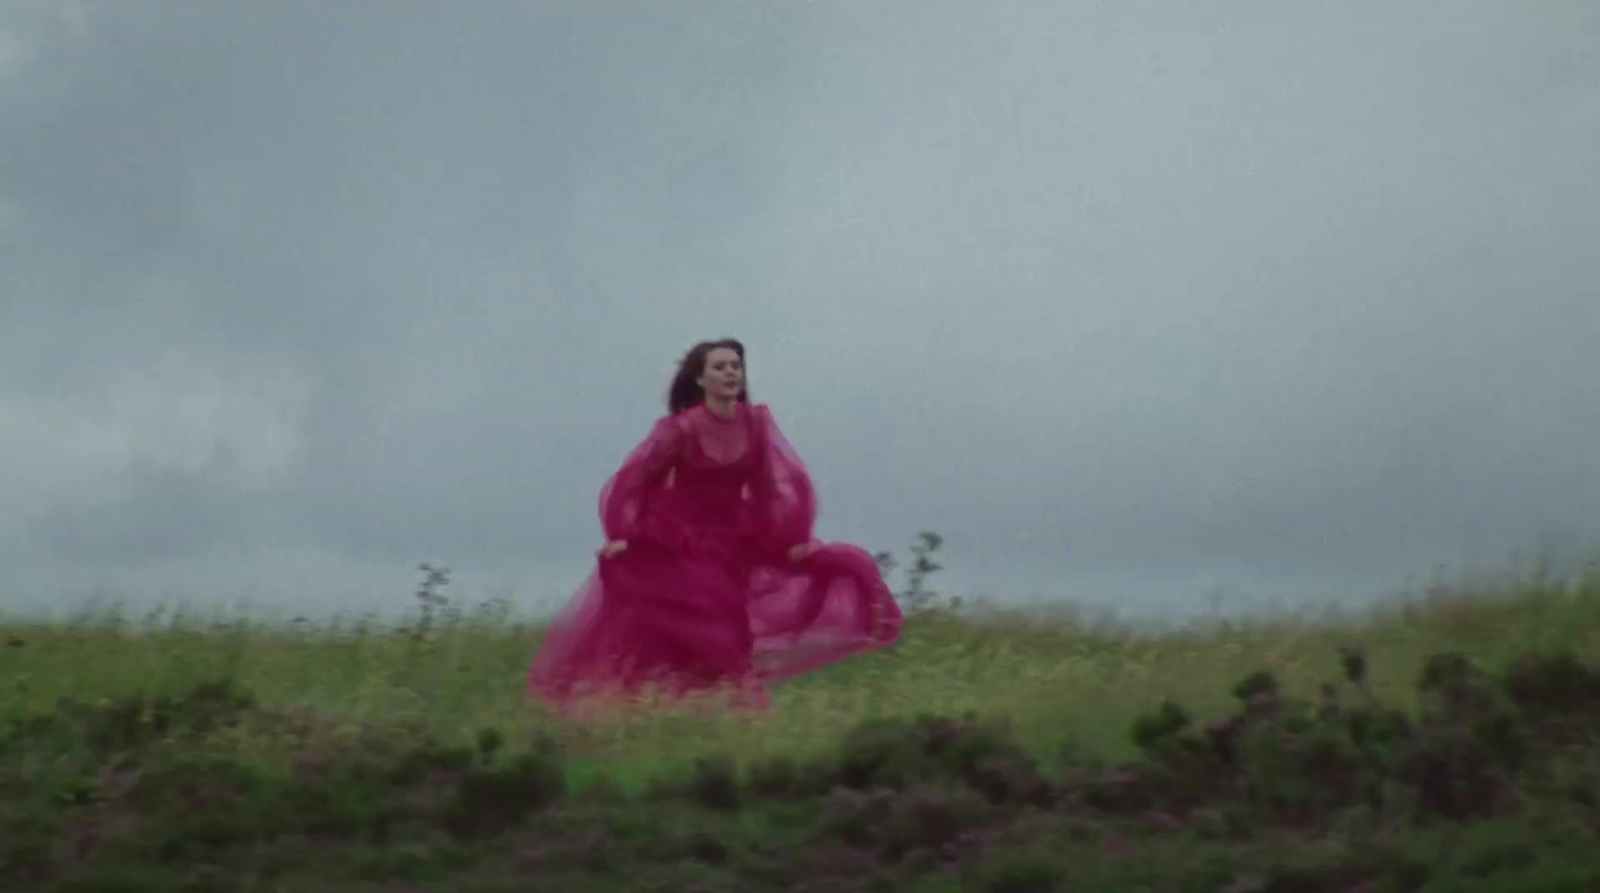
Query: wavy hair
point(685, 390)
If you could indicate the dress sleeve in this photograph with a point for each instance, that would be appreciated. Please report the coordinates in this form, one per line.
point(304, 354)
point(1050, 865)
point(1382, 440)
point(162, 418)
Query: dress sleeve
point(625, 498)
point(783, 501)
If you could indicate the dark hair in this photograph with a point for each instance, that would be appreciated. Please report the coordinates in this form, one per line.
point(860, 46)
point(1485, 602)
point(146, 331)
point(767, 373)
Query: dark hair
point(685, 391)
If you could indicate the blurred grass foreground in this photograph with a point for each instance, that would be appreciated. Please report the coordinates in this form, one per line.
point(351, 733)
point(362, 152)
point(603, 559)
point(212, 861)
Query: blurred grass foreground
point(1445, 741)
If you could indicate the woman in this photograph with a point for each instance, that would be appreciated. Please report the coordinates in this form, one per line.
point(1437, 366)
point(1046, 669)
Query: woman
point(710, 577)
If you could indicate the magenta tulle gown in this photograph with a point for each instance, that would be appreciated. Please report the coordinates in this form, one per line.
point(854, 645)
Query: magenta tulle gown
point(705, 597)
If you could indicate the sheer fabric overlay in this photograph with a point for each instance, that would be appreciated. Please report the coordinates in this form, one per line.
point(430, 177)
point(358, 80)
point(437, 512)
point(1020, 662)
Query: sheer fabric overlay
point(706, 598)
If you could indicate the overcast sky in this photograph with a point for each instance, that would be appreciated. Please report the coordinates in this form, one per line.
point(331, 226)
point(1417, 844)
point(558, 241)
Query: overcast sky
point(1130, 301)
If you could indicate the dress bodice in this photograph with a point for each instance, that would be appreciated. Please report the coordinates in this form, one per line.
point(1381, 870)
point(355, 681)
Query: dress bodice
point(715, 463)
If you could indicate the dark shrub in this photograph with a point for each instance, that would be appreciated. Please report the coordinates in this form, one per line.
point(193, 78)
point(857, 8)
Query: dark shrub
point(491, 801)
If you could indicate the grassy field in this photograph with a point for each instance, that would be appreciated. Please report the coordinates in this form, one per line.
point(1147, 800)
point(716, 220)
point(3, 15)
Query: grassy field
point(320, 702)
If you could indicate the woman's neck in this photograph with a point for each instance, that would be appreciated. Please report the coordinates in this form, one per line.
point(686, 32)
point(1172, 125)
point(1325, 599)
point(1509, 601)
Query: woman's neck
point(722, 407)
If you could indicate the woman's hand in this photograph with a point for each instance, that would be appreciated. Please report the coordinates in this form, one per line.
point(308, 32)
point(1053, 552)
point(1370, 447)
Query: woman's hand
point(803, 551)
point(613, 548)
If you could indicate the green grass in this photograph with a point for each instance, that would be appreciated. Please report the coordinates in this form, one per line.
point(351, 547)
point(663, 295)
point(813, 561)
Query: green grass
point(1062, 682)
point(360, 759)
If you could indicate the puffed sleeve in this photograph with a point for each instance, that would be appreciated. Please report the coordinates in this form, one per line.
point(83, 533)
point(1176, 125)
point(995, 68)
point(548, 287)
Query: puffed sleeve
point(625, 498)
point(783, 506)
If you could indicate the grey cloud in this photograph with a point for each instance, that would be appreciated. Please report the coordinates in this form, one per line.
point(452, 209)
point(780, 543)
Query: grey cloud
point(150, 519)
point(1226, 291)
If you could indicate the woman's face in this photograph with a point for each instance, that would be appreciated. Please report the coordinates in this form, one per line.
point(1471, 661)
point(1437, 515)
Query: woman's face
point(723, 377)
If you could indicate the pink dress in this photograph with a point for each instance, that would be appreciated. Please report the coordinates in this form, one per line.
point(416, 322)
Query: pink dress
point(705, 596)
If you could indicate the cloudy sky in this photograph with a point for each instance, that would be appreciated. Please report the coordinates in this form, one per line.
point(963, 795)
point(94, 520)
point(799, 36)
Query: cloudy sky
point(1133, 302)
